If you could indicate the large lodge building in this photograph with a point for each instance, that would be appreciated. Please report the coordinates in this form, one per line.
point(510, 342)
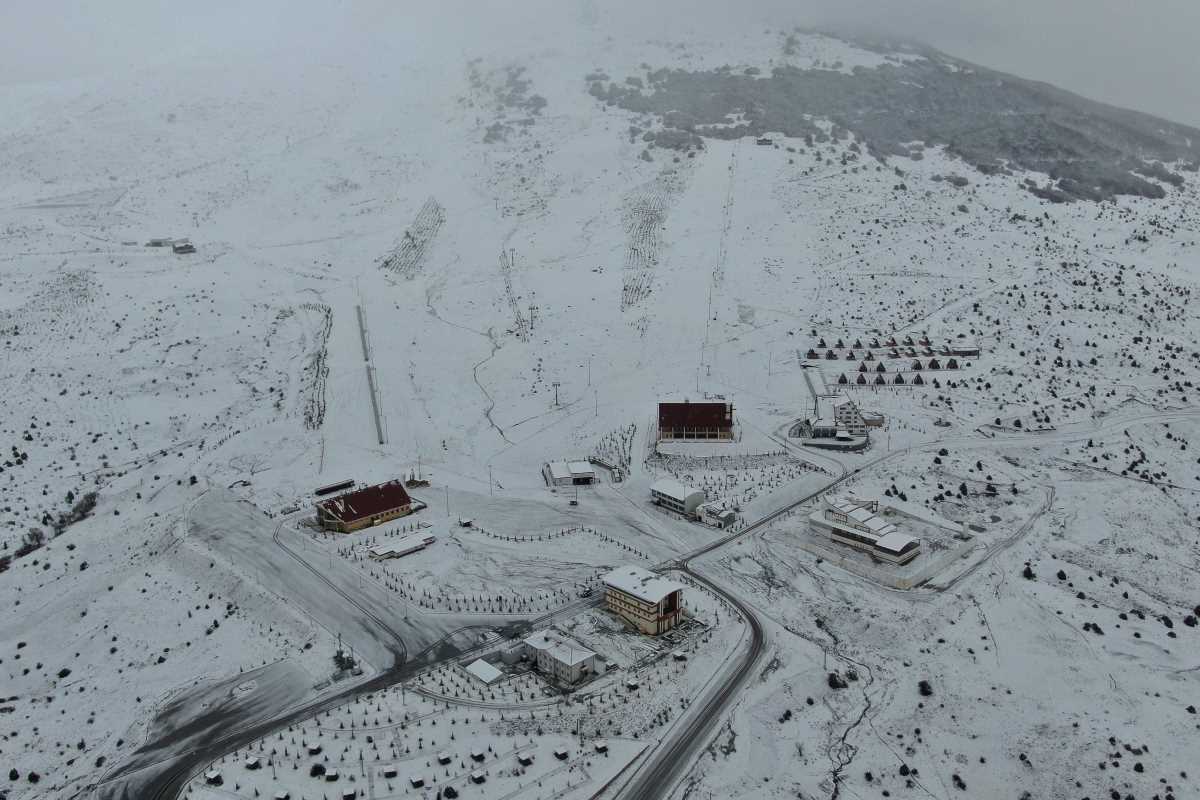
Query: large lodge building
point(651, 603)
point(695, 421)
point(365, 507)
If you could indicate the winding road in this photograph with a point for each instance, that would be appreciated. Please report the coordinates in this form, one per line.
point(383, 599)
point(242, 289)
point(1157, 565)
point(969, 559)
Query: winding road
point(166, 779)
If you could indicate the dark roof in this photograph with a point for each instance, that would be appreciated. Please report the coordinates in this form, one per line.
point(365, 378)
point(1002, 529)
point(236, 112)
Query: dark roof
point(672, 416)
point(368, 502)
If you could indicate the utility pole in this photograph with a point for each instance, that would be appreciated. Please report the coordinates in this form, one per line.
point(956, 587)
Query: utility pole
point(589, 370)
point(447, 488)
point(491, 483)
point(555, 384)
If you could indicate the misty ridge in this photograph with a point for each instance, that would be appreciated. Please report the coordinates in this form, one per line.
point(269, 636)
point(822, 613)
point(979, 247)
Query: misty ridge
point(920, 98)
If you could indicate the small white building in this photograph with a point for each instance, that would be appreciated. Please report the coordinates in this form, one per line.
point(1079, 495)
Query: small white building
point(401, 546)
point(676, 496)
point(568, 473)
point(560, 657)
point(484, 672)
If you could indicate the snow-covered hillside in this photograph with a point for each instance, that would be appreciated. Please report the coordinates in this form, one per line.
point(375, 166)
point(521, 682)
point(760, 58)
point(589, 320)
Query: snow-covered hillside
point(521, 264)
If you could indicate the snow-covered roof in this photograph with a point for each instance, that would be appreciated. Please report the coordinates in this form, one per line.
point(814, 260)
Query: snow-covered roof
point(895, 542)
point(673, 489)
point(401, 546)
point(559, 470)
point(561, 649)
point(861, 515)
point(484, 671)
point(641, 583)
point(580, 468)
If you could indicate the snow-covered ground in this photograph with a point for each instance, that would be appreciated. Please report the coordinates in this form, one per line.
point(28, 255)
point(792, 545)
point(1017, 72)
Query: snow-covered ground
point(557, 285)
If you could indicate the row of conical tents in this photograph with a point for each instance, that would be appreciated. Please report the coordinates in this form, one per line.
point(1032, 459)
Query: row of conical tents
point(896, 379)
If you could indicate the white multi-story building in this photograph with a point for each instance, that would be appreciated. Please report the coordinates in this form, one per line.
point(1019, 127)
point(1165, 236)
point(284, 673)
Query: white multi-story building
point(674, 495)
point(560, 657)
point(847, 417)
point(568, 473)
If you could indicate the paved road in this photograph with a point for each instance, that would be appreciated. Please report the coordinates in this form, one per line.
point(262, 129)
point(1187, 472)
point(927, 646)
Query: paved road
point(166, 779)
point(657, 775)
point(184, 739)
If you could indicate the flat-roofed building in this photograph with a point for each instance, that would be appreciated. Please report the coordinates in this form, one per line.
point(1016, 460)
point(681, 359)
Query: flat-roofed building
point(483, 672)
point(858, 523)
point(651, 603)
point(401, 546)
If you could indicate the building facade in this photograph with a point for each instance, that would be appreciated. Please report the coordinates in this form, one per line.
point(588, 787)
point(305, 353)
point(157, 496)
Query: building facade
point(695, 421)
point(651, 603)
point(858, 524)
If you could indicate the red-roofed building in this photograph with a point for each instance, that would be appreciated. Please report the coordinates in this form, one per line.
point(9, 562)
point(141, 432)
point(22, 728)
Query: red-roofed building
point(365, 507)
point(695, 421)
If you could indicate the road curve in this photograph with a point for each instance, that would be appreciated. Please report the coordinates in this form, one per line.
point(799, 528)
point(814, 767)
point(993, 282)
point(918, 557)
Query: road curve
point(655, 778)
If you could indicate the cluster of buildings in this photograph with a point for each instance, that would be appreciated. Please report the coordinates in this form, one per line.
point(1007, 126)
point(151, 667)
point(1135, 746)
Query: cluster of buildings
point(568, 473)
point(836, 423)
point(401, 546)
point(646, 600)
point(861, 525)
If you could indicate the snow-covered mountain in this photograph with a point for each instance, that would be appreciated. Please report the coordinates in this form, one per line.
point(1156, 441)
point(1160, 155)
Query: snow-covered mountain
point(526, 240)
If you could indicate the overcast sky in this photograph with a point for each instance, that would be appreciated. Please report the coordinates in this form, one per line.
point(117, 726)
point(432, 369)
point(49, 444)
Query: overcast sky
point(1140, 54)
